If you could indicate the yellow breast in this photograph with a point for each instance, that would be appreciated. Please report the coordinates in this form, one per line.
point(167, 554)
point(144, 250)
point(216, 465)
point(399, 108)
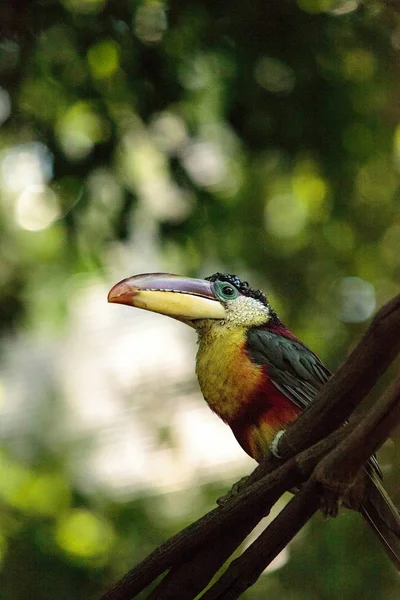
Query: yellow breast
point(226, 375)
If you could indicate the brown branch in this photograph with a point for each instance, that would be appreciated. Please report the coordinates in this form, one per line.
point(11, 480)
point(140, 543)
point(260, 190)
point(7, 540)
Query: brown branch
point(213, 524)
point(218, 531)
point(182, 545)
point(255, 499)
point(336, 470)
point(245, 570)
point(187, 580)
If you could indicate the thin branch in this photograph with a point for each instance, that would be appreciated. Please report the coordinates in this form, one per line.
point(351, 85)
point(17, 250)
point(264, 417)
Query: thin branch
point(214, 523)
point(182, 545)
point(370, 433)
point(245, 570)
point(187, 580)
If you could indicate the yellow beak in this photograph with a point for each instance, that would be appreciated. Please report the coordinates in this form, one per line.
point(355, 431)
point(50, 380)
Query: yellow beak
point(172, 295)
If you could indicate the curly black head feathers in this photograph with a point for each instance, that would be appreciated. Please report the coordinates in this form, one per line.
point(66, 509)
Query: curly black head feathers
point(244, 288)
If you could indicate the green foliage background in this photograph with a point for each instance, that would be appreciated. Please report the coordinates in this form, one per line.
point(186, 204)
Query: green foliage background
point(257, 137)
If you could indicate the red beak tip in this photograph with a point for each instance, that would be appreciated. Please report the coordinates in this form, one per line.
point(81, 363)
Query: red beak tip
point(121, 292)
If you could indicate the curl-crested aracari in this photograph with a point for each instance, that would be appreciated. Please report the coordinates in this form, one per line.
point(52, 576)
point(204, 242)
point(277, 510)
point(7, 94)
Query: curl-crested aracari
point(253, 372)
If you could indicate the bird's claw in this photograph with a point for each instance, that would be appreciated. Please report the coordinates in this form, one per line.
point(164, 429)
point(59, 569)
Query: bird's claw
point(233, 492)
point(275, 443)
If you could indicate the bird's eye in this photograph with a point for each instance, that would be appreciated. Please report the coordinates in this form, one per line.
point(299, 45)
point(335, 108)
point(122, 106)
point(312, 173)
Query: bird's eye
point(227, 290)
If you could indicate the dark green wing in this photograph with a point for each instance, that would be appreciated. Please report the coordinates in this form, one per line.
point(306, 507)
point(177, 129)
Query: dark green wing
point(293, 368)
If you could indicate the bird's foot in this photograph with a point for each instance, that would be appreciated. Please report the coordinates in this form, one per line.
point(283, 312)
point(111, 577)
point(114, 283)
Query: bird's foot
point(275, 444)
point(233, 492)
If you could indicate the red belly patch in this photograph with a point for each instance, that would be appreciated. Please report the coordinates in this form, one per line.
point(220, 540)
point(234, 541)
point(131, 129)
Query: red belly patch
point(268, 412)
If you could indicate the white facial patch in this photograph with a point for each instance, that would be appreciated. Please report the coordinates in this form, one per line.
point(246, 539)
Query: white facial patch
point(245, 310)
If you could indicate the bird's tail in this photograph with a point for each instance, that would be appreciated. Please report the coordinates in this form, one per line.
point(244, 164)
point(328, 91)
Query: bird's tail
point(384, 518)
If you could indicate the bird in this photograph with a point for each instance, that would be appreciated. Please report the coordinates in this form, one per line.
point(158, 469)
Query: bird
point(254, 373)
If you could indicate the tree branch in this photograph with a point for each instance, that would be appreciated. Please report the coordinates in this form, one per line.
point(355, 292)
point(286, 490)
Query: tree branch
point(336, 470)
point(245, 570)
point(185, 581)
point(255, 499)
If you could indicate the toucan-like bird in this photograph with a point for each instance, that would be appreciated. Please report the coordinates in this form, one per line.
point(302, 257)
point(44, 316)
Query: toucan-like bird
point(253, 372)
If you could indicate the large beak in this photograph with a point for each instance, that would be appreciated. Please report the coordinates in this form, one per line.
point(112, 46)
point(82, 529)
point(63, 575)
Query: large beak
point(172, 295)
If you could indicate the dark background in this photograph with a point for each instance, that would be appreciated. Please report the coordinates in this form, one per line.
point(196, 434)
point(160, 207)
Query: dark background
point(260, 138)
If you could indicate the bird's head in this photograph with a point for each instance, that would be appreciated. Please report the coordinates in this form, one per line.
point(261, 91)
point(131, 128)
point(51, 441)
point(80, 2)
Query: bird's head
point(221, 300)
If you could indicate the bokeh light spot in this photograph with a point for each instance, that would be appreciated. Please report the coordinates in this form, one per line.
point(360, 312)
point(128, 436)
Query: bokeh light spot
point(104, 189)
point(42, 494)
point(79, 129)
point(285, 215)
point(13, 477)
point(274, 76)
point(204, 162)
point(357, 300)
point(103, 59)
point(5, 105)
point(37, 208)
point(150, 22)
point(312, 191)
point(198, 73)
point(84, 535)
point(344, 7)
point(376, 180)
point(358, 65)
point(25, 165)
point(168, 131)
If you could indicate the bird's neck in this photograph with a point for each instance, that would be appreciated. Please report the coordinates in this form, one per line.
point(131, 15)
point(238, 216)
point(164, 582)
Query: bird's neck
point(227, 377)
